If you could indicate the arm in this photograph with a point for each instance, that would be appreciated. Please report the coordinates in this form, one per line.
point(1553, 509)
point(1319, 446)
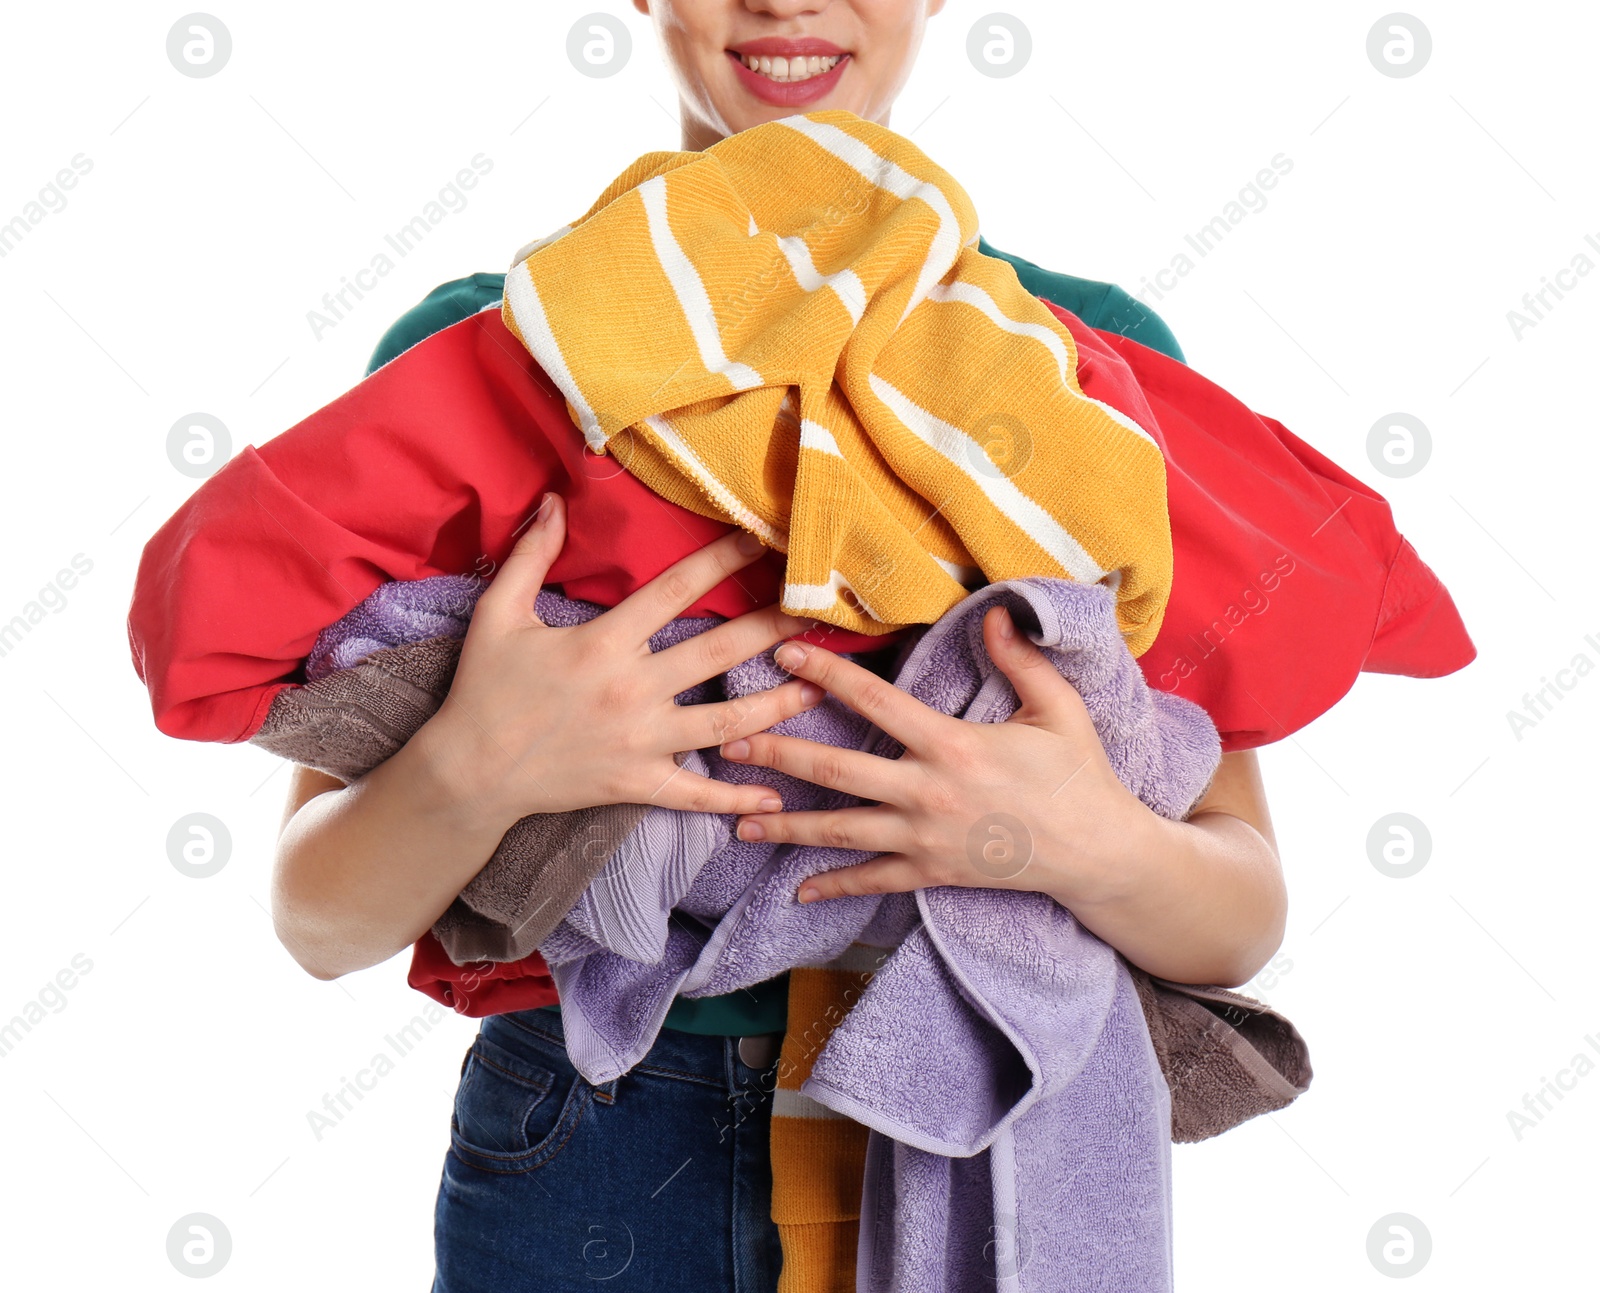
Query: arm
point(1205, 902)
point(1197, 901)
point(538, 720)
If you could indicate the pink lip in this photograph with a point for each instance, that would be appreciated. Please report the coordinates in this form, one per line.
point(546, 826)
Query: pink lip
point(788, 47)
point(796, 93)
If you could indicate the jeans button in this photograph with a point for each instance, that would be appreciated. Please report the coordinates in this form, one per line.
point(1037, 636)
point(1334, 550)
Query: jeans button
point(759, 1050)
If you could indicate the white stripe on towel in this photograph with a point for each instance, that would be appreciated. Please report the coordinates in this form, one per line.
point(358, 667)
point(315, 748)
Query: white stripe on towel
point(528, 310)
point(720, 493)
point(813, 435)
point(885, 174)
point(819, 597)
point(969, 294)
point(791, 1104)
point(691, 292)
point(846, 284)
point(961, 449)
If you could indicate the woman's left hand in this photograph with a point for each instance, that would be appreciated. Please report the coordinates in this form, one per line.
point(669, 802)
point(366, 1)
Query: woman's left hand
point(1031, 803)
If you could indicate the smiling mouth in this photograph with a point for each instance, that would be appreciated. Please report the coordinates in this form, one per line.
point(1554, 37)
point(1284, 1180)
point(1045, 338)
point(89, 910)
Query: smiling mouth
point(790, 71)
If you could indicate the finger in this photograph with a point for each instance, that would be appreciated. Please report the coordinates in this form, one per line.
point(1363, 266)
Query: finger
point(691, 793)
point(680, 585)
point(696, 727)
point(717, 650)
point(898, 713)
point(515, 585)
point(889, 874)
point(877, 829)
point(1046, 699)
point(867, 776)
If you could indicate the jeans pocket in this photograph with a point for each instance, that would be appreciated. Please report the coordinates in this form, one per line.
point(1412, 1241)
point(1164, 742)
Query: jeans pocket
point(514, 1113)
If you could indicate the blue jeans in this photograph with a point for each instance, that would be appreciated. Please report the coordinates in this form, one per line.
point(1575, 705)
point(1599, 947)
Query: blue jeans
point(658, 1180)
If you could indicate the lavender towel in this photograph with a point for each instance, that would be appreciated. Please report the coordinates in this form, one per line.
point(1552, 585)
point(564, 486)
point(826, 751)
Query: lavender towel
point(1021, 1121)
point(1022, 1125)
point(396, 613)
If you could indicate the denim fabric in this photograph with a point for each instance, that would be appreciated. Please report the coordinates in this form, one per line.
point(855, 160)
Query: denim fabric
point(658, 1180)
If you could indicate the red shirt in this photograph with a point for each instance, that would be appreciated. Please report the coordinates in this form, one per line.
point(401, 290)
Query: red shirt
point(1289, 576)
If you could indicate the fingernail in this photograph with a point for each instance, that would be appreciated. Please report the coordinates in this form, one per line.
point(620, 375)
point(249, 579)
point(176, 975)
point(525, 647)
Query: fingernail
point(791, 655)
point(546, 508)
point(749, 544)
point(810, 693)
point(771, 805)
point(751, 831)
point(809, 893)
point(1007, 628)
point(739, 749)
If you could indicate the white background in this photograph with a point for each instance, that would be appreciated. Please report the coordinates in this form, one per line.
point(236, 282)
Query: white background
point(178, 1076)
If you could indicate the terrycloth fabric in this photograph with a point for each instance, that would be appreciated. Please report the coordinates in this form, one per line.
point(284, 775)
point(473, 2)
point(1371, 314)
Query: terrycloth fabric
point(1001, 1047)
point(1227, 1057)
point(1224, 1056)
point(818, 1155)
point(398, 612)
point(378, 673)
point(834, 366)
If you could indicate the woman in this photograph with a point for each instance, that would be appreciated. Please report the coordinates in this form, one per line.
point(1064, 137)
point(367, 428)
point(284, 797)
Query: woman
point(661, 1178)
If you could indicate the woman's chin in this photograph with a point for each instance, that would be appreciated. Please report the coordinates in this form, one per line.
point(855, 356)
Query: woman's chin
point(744, 111)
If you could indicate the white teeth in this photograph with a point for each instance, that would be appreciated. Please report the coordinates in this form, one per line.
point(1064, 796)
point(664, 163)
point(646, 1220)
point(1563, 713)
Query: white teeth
point(790, 70)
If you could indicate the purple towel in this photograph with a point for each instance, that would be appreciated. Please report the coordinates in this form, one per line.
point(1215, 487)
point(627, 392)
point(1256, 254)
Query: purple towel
point(1021, 1122)
point(395, 613)
point(1022, 1126)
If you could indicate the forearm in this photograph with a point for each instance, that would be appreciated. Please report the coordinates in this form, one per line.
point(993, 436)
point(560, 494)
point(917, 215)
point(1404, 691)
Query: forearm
point(1203, 901)
point(361, 872)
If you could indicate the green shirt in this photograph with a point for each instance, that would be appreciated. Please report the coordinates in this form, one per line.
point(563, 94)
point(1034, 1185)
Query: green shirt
point(764, 1008)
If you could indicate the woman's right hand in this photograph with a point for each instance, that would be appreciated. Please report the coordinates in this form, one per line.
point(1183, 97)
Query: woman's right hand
point(543, 720)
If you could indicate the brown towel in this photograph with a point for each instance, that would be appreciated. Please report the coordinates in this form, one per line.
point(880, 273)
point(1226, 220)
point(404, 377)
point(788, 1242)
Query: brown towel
point(1226, 1056)
point(348, 722)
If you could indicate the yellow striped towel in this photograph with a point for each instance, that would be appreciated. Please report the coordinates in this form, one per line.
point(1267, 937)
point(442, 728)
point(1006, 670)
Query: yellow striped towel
point(818, 1156)
point(794, 331)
